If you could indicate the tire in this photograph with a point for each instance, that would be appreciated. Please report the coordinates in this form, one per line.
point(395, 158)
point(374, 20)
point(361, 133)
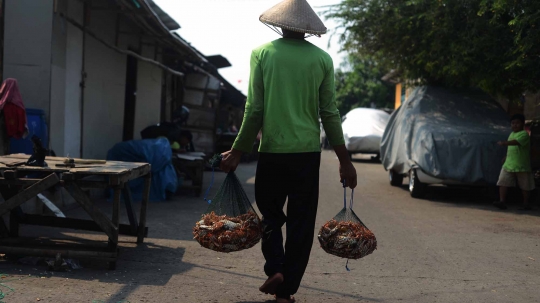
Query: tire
point(395, 179)
point(416, 188)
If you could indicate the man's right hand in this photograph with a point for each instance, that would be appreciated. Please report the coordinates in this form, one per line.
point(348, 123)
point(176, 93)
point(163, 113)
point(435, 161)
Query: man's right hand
point(347, 172)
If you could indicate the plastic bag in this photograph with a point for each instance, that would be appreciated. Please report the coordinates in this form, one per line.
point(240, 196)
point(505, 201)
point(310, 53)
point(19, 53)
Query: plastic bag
point(230, 223)
point(346, 236)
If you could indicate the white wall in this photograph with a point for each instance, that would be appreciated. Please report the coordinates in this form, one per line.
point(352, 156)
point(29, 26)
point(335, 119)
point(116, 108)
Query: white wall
point(58, 81)
point(103, 105)
point(66, 68)
point(103, 97)
point(74, 62)
point(27, 49)
point(148, 108)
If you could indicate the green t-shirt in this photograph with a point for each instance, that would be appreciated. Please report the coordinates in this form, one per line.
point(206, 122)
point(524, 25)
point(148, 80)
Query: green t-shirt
point(291, 84)
point(518, 157)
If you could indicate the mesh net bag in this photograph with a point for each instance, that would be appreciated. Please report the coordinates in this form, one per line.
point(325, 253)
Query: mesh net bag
point(230, 223)
point(346, 236)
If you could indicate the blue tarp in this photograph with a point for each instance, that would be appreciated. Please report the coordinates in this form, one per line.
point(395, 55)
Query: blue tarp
point(158, 153)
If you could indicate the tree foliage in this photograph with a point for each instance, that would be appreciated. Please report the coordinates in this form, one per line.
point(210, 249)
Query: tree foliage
point(486, 43)
point(524, 22)
point(358, 84)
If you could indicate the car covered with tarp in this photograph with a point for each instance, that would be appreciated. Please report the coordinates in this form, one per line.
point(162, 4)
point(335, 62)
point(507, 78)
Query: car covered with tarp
point(445, 136)
point(363, 129)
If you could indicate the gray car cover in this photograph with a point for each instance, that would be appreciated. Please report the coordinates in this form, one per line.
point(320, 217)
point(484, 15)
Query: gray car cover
point(449, 134)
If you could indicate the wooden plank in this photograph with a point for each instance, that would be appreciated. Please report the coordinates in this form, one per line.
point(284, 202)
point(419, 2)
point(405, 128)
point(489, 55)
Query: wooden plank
point(10, 175)
point(137, 173)
point(128, 201)
point(144, 207)
point(109, 168)
point(49, 158)
point(51, 206)
point(25, 181)
point(95, 213)
point(24, 170)
point(71, 223)
point(28, 193)
point(140, 171)
point(92, 184)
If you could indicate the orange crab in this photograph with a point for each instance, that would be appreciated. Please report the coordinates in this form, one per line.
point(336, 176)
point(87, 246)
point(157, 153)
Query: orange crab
point(228, 234)
point(347, 239)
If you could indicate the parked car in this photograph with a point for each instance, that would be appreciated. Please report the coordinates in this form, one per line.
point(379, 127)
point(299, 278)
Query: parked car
point(363, 129)
point(445, 136)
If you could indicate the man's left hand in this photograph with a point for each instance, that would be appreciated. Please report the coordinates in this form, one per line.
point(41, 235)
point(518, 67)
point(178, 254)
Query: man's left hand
point(230, 160)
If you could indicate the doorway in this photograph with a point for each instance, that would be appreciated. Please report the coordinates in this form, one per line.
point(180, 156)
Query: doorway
point(131, 98)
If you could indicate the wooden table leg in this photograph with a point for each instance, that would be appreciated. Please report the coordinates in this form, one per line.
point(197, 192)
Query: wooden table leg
point(113, 245)
point(128, 201)
point(116, 209)
point(144, 206)
point(95, 213)
point(7, 193)
point(13, 224)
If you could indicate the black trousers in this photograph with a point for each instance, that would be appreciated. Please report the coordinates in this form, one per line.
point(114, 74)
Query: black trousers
point(296, 177)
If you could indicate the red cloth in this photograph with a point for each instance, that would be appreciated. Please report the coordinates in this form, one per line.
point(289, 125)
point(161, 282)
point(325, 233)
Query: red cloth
point(15, 121)
point(14, 111)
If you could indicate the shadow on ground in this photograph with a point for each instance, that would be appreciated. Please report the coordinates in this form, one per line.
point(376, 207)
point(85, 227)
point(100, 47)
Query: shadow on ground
point(478, 197)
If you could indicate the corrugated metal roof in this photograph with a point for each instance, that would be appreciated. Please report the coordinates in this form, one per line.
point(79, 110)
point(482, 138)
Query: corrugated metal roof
point(165, 18)
point(219, 61)
point(156, 27)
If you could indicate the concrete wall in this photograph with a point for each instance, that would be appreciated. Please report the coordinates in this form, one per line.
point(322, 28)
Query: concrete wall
point(104, 94)
point(103, 104)
point(74, 64)
point(149, 84)
point(47, 57)
point(27, 49)
point(66, 75)
point(58, 81)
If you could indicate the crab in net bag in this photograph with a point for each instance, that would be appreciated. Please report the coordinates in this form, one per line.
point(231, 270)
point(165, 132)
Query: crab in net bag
point(346, 236)
point(230, 223)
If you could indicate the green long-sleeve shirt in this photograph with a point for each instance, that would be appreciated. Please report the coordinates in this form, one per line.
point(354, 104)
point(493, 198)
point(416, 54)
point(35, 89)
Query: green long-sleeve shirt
point(291, 85)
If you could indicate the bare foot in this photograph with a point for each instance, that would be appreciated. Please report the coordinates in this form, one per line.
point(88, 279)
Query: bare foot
point(271, 284)
point(283, 300)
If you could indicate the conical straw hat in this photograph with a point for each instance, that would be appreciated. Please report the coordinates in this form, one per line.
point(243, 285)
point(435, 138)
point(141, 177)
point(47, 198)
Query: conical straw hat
point(294, 15)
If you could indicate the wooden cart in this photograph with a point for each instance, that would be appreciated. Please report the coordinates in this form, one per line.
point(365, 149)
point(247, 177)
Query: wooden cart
point(19, 183)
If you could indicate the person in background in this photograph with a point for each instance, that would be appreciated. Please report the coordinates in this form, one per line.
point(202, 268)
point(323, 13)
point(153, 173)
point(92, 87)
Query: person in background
point(291, 85)
point(185, 143)
point(517, 164)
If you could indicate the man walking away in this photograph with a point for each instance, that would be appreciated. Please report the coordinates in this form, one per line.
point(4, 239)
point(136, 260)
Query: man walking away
point(291, 85)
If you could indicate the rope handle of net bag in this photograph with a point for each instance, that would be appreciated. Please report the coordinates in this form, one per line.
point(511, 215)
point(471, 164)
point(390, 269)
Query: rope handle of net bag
point(345, 206)
point(214, 162)
point(345, 196)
